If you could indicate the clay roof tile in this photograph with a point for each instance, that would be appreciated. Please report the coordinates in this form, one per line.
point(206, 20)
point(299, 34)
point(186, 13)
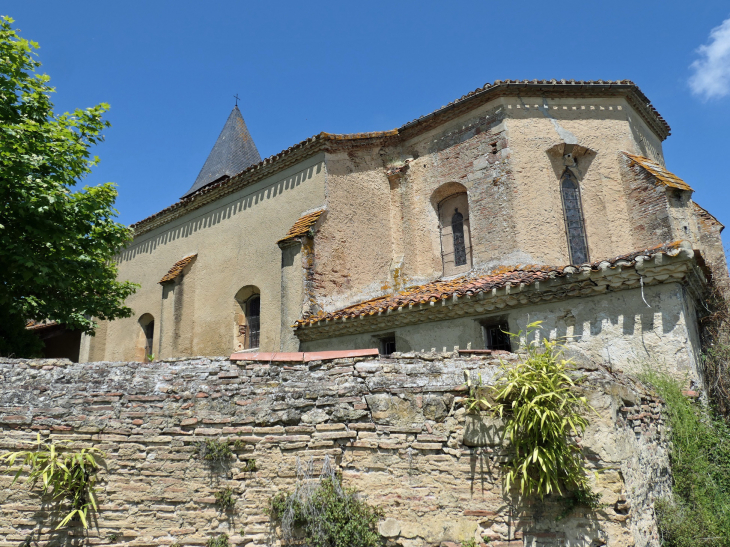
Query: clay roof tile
point(176, 269)
point(659, 172)
point(498, 278)
point(302, 226)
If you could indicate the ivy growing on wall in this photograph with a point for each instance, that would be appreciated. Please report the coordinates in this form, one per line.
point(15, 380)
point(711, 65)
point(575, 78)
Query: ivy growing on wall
point(698, 512)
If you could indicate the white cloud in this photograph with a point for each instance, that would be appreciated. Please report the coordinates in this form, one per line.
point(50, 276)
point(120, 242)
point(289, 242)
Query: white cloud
point(711, 78)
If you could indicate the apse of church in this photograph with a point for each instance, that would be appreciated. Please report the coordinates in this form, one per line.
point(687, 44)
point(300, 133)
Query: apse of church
point(280, 254)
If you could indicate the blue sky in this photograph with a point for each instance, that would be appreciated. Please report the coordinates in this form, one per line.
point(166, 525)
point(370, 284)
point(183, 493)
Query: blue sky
point(170, 70)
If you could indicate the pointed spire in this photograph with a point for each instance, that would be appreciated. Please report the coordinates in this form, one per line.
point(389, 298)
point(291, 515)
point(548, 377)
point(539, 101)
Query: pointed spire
point(233, 152)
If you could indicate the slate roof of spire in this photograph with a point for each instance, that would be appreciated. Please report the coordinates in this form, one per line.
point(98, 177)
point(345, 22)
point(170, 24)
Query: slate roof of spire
point(233, 152)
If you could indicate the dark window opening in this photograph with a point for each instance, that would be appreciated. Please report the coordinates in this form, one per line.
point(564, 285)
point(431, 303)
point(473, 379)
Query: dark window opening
point(454, 232)
point(574, 223)
point(496, 337)
point(387, 345)
point(457, 230)
point(494, 148)
point(253, 320)
point(149, 332)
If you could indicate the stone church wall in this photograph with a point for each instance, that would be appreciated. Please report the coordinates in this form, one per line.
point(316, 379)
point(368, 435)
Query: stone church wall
point(394, 428)
point(382, 231)
point(235, 241)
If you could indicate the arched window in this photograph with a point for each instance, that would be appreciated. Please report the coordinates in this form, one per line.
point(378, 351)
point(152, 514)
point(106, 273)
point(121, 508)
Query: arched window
point(145, 342)
point(253, 318)
point(457, 231)
point(247, 316)
point(573, 214)
point(453, 215)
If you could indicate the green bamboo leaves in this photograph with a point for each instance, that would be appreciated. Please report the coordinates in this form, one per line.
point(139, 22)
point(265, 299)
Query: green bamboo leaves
point(543, 413)
point(65, 475)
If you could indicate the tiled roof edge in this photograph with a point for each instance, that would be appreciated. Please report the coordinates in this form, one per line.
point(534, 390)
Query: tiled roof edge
point(39, 325)
point(177, 269)
point(523, 276)
point(571, 87)
point(302, 225)
point(659, 172)
point(709, 214)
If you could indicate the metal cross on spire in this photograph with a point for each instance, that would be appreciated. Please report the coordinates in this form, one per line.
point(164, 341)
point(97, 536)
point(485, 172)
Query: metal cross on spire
point(237, 98)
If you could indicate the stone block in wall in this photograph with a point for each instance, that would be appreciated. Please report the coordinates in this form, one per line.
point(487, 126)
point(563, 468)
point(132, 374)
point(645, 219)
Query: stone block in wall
point(484, 430)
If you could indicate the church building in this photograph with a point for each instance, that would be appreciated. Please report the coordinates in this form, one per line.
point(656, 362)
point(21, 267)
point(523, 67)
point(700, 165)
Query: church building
point(521, 201)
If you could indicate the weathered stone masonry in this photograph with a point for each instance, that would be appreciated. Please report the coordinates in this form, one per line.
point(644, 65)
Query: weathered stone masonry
point(395, 428)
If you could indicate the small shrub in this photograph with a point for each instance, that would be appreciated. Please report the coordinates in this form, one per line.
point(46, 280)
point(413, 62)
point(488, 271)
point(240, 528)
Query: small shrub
point(250, 466)
point(538, 400)
point(112, 537)
point(328, 514)
point(238, 444)
point(698, 514)
point(471, 542)
point(220, 541)
point(66, 475)
point(224, 498)
point(214, 451)
point(715, 362)
point(580, 497)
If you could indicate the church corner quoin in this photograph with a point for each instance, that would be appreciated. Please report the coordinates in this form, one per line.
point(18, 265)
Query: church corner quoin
point(395, 429)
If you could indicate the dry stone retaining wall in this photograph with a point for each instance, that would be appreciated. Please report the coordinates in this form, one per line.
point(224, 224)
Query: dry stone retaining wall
point(394, 428)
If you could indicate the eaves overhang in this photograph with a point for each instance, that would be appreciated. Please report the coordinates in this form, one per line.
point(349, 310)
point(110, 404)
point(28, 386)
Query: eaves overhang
point(671, 263)
point(331, 142)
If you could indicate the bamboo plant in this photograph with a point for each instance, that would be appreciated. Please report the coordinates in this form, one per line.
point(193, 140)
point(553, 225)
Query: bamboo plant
point(64, 474)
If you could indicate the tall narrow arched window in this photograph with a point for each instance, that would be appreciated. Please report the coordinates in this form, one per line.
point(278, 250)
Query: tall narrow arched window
point(457, 232)
point(145, 342)
point(247, 318)
point(253, 318)
point(573, 215)
point(453, 215)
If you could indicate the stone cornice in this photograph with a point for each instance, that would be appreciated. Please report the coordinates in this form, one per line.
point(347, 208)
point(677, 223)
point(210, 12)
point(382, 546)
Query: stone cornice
point(331, 142)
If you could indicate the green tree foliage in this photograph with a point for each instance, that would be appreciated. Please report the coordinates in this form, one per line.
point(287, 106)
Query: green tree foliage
point(56, 244)
point(698, 514)
point(66, 476)
point(542, 409)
